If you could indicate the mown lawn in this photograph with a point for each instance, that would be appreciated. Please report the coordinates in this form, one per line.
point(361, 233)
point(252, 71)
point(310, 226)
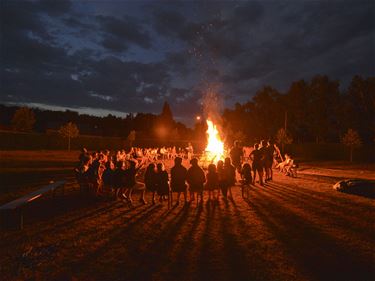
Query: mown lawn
point(292, 229)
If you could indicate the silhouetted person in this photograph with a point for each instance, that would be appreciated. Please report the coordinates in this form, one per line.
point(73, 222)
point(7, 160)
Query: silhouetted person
point(268, 160)
point(162, 182)
point(151, 181)
point(230, 174)
point(196, 178)
point(212, 183)
point(246, 174)
point(82, 172)
point(277, 155)
point(108, 175)
point(82, 155)
point(263, 151)
point(119, 180)
point(236, 154)
point(246, 177)
point(256, 157)
point(178, 179)
point(223, 184)
point(132, 183)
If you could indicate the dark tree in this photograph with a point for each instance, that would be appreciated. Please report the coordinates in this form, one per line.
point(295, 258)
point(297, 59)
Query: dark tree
point(165, 123)
point(323, 95)
point(69, 131)
point(361, 97)
point(297, 101)
point(352, 140)
point(23, 120)
point(166, 114)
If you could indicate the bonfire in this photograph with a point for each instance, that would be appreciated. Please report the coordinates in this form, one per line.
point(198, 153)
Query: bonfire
point(215, 146)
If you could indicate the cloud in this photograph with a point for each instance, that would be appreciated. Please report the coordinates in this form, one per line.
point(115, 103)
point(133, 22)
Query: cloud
point(17, 17)
point(132, 60)
point(127, 29)
point(54, 8)
point(114, 44)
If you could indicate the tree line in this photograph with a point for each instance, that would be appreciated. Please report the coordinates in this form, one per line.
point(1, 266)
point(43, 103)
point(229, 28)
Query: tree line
point(309, 111)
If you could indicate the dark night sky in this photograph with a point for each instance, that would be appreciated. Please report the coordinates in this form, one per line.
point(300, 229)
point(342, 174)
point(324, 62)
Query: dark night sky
point(117, 57)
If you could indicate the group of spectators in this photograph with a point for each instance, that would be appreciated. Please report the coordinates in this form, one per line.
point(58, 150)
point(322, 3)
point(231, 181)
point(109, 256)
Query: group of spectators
point(121, 174)
point(155, 154)
point(258, 162)
point(143, 170)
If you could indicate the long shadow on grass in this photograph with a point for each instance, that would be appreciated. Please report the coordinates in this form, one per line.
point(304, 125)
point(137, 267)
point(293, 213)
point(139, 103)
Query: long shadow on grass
point(114, 238)
point(49, 214)
point(259, 266)
point(65, 212)
point(318, 255)
point(206, 269)
point(234, 254)
point(211, 262)
point(345, 216)
point(358, 235)
point(175, 242)
point(131, 245)
point(333, 200)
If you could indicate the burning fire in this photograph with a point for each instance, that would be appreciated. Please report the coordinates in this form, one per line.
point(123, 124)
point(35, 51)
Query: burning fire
point(215, 147)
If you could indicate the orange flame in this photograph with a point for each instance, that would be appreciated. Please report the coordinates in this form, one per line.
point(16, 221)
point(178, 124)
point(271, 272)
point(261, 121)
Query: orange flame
point(215, 147)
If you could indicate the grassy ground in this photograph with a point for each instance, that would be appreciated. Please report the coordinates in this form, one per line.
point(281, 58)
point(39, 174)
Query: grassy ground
point(24, 171)
point(292, 229)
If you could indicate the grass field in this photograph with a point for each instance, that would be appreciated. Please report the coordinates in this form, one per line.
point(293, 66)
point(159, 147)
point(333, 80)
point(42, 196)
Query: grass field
point(292, 229)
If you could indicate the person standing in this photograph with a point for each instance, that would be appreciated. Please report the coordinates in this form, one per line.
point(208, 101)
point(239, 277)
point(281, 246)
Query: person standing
point(132, 183)
point(212, 183)
point(119, 181)
point(83, 155)
point(190, 151)
point(162, 182)
point(150, 181)
point(236, 154)
point(230, 174)
point(223, 185)
point(196, 179)
point(257, 165)
point(107, 176)
point(268, 160)
point(178, 179)
point(246, 179)
point(263, 151)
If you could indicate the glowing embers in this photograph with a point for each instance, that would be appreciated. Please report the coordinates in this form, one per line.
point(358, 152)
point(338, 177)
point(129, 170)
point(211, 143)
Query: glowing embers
point(215, 147)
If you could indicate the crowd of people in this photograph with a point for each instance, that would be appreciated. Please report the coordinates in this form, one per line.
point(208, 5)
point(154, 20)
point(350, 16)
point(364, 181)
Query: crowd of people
point(154, 154)
point(142, 170)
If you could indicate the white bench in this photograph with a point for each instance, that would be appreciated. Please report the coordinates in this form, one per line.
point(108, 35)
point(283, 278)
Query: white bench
point(15, 207)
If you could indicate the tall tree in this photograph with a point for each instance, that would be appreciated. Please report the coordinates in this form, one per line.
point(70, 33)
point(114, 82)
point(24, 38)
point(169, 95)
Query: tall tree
point(351, 139)
point(165, 123)
point(323, 97)
point(361, 97)
point(296, 103)
point(269, 111)
point(23, 120)
point(166, 114)
point(283, 138)
point(69, 131)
